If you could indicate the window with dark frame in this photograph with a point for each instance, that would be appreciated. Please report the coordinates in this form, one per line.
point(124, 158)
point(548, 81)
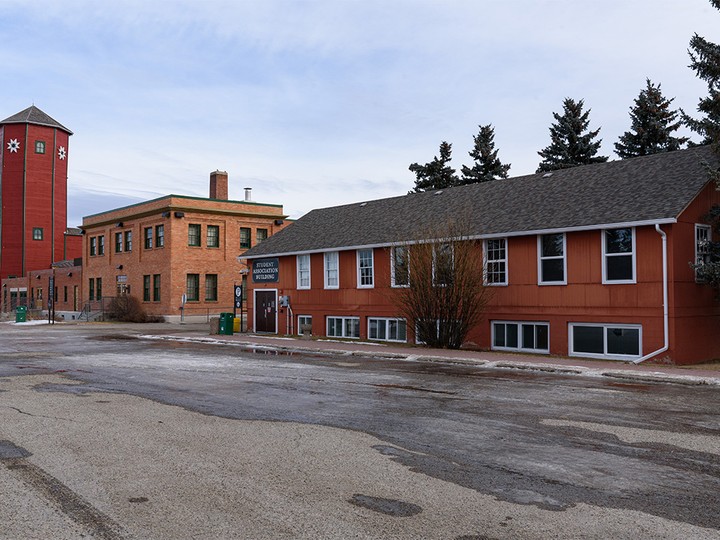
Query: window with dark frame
point(37, 233)
point(245, 234)
point(211, 287)
point(194, 234)
point(213, 236)
point(261, 235)
point(148, 237)
point(146, 288)
point(118, 242)
point(93, 246)
point(156, 287)
point(39, 147)
point(193, 288)
point(101, 244)
point(128, 240)
point(159, 236)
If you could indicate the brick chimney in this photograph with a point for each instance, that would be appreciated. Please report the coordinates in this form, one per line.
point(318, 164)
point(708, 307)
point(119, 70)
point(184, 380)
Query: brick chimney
point(219, 185)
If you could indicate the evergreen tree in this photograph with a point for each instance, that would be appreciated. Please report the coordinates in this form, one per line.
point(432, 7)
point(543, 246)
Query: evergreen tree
point(487, 165)
point(571, 142)
point(438, 174)
point(653, 123)
point(705, 61)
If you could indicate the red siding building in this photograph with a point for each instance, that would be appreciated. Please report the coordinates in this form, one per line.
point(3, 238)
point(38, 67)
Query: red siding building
point(33, 176)
point(592, 261)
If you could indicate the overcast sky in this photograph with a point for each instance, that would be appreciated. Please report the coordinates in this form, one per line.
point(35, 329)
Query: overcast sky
point(326, 102)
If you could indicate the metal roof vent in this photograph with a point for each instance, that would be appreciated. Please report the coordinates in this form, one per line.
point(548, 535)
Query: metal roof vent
point(439, 192)
point(363, 204)
point(547, 175)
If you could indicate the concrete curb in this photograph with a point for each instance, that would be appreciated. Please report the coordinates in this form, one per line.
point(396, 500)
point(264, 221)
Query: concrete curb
point(648, 377)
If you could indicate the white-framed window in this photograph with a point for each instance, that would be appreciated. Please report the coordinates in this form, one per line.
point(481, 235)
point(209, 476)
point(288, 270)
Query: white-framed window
point(552, 262)
point(618, 341)
point(384, 329)
point(345, 327)
point(495, 260)
point(304, 321)
point(400, 266)
point(365, 266)
point(443, 264)
point(331, 266)
point(526, 336)
point(618, 253)
point(303, 271)
point(703, 239)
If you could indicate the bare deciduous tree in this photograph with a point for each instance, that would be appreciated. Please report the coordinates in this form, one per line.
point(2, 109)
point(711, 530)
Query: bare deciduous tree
point(446, 296)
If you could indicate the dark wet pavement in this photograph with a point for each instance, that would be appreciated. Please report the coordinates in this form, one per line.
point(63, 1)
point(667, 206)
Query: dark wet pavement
point(527, 437)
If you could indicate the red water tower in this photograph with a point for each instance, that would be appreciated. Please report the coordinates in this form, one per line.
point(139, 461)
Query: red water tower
point(33, 192)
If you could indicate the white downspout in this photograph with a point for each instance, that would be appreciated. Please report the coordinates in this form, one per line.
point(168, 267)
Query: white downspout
point(666, 317)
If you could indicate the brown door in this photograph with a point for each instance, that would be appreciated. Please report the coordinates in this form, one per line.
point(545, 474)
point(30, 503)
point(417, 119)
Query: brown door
point(265, 306)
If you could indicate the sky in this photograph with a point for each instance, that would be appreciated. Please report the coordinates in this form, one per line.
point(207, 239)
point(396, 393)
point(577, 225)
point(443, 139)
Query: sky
point(317, 103)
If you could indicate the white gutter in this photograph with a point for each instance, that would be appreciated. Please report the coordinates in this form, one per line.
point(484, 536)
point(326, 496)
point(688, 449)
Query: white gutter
point(666, 329)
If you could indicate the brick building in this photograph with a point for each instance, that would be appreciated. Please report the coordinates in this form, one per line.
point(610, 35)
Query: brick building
point(178, 255)
point(592, 261)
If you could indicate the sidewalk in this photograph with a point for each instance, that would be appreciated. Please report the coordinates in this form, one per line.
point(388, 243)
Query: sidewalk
point(650, 373)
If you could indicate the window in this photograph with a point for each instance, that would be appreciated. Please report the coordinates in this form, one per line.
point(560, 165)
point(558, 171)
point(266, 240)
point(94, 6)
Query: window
point(91, 289)
point(65, 293)
point(303, 271)
point(148, 237)
point(365, 268)
point(39, 147)
point(618, 255)
point(261, 235)
point(331, 270)
point(605, 340)
point(400, 266)
point(443, 264)
point(128, 240)
point(703, 236)
point(101, 245)
point(159, 236)
point(496, 261)
point(146, 288)
point(244, 237)
point(193, 288)
point(551, 261)
point(387, 329)
point(211, 287)
point(93, 246)
point(304, 324)
point(37, 233)
point(118, 242)
point(156, 287)
point(98, 288)
point(521, 336)
point(213, 236)
point(193, 234)
point(347, 327)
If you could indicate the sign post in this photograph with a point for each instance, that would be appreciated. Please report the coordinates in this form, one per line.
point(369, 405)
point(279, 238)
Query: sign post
point(51, 300)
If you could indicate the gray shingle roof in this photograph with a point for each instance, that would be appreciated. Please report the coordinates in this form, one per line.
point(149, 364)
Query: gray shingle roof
point(648, 188)
point(33, 115)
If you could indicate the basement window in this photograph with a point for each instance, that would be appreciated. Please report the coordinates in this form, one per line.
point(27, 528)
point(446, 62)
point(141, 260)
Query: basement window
point(606, 340)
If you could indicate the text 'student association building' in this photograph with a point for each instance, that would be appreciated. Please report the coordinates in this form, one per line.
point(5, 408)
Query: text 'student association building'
point(177, 255)
point(592, 261)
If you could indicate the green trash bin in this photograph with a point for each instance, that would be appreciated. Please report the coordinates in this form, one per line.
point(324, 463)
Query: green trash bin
point(21, 314)
point(226, 324)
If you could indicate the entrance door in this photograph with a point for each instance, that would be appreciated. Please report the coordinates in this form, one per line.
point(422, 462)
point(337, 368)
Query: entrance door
point(265, 308)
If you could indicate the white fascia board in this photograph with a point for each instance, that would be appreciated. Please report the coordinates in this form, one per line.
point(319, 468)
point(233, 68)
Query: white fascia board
point(594, 227)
